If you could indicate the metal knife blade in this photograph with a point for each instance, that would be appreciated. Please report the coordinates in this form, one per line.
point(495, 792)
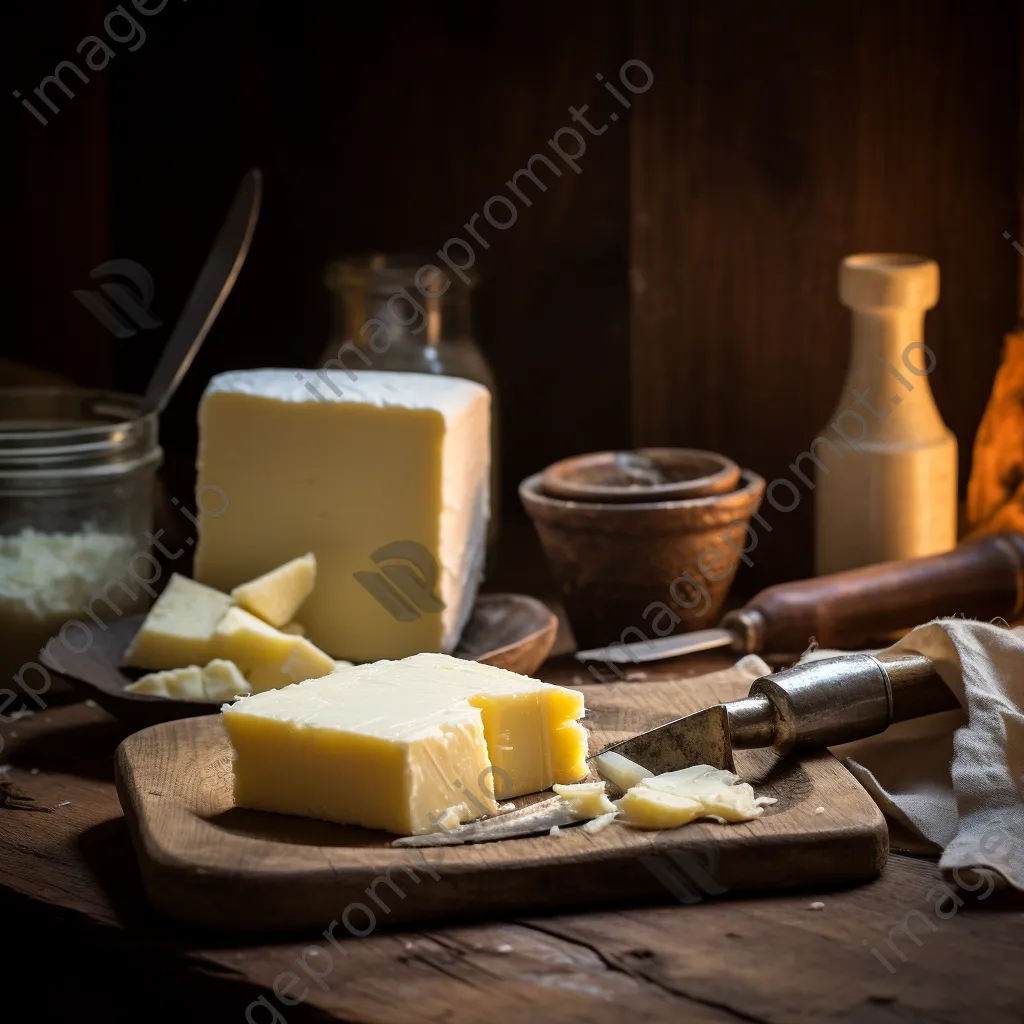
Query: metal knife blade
point(700, 738)
point(209, 293)
point(659, 648)
point(527, 821)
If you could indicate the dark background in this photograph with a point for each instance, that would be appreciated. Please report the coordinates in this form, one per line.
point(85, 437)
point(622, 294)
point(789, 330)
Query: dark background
point(681, 289)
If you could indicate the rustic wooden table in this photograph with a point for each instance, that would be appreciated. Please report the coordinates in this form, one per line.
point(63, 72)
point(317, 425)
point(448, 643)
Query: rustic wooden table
point(79, 937)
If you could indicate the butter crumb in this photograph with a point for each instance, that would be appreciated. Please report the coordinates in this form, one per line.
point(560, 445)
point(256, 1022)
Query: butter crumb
point(817, 905)
point(819, 810)
point(555, 831)
point(510, 806)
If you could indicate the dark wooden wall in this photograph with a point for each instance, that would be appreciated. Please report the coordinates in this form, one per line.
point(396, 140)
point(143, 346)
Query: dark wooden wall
point(777, 139)
point(679, 290)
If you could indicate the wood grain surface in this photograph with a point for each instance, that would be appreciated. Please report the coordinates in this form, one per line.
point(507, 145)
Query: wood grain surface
point(206, 862)
point(84, 937)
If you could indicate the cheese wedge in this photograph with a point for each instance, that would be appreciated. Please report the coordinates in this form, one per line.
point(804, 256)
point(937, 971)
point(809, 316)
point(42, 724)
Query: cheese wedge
point(267, 657)
point(677, 798)
point(404, 745)
point(179, 629)
point(219, 680)
point(276, 596)
point(383, 476)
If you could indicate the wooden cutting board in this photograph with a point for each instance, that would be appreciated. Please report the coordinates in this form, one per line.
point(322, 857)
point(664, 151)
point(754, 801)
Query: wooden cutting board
point(206, 862)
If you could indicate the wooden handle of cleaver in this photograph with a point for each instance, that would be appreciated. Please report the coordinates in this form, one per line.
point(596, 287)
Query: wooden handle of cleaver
point(980, 580)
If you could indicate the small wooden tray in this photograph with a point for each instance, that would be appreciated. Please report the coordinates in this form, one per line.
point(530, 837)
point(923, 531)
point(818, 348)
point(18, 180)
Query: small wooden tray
point(511, 631)
point(206, 862)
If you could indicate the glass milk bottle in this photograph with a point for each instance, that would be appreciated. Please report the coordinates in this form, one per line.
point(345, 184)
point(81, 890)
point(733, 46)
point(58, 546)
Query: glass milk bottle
point(886, 464)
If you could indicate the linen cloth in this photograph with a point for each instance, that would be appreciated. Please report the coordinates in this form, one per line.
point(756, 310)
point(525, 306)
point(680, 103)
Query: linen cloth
point(953, 783)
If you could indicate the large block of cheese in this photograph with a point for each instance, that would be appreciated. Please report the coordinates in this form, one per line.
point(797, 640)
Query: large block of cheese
point(402, 745)
point(384, 478)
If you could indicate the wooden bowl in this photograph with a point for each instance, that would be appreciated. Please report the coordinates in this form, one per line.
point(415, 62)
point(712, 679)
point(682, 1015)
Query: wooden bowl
point(644, 475)
point(511, 631)
point(651, 568)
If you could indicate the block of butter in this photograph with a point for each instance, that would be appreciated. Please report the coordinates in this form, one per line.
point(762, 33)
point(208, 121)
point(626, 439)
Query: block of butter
point(383, 476)
point(404, 745)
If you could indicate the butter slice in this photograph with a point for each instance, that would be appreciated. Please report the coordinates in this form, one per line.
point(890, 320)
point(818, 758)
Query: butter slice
point(179, 629)
point(677, 798)
point(404, 745)
point(219, 680)
point(383, 476)
point(267, 657)
point(277, 595)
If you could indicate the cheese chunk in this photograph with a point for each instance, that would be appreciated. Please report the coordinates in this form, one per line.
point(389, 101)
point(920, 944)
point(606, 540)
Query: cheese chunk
point(677, 798)
point(276, 596)
point(586, 799)
point(220, 680)
point(183, 683)
point(404, 745)
point(620, 771)
point(179, 629)
point(267, 657)
point(383, 476)
point(223, 680)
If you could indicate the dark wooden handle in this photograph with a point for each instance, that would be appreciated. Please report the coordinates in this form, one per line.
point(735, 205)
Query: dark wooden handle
point(980, 580)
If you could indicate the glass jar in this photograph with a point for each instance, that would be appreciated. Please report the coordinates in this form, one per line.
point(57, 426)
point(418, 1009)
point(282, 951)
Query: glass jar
point(77, 471)
point(404, 313)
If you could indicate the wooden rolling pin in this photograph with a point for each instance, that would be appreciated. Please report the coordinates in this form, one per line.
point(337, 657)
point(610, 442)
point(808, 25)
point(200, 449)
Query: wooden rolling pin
point(980, 580)
point(983, 579)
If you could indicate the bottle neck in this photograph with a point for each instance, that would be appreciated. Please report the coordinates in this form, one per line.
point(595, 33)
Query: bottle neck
point(885, 338)
point(888, 375)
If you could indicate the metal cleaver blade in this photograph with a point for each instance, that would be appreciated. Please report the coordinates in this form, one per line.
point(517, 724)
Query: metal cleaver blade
point(700, 738)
